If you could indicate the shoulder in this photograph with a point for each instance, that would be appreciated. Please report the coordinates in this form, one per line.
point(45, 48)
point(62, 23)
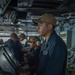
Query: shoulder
point(60, 41)
point(9, 41)
point(57, 39)
point(57, 43)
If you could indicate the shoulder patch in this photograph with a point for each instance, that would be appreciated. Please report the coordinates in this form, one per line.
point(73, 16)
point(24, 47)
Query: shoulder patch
point(45, 52)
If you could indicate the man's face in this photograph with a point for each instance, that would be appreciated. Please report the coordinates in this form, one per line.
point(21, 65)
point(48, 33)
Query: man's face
point(43, 29)
point(32, 44)
point(14, 39)
point(21, 39)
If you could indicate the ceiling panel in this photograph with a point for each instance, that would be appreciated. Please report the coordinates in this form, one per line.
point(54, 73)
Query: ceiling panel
point(26, 9)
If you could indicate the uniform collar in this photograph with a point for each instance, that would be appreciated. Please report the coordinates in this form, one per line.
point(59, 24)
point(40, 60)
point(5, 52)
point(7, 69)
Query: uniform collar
point(51, 36)
point(45, 44)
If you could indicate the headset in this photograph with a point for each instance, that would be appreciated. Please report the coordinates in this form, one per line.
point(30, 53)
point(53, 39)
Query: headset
point(38, 43)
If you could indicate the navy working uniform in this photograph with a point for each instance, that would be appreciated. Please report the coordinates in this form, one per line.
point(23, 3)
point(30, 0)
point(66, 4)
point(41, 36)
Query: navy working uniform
point(34, 57)
point(15, 48)
point(53, 56)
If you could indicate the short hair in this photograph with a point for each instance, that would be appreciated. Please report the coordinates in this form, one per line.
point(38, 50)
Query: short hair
point(14, 35)
point(34, 39)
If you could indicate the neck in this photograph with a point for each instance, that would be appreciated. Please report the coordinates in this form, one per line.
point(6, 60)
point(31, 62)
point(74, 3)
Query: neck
point(35, 47)
point(48, 35)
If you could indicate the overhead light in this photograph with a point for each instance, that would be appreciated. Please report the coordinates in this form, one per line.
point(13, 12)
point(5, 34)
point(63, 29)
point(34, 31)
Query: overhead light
point(19, 22)
point(11, 23)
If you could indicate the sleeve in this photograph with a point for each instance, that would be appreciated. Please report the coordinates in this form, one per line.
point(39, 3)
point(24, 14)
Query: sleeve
point(6, 43)
point(9, 44)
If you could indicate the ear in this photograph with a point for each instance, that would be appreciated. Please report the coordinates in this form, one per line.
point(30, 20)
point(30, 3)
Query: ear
point(50, 26)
